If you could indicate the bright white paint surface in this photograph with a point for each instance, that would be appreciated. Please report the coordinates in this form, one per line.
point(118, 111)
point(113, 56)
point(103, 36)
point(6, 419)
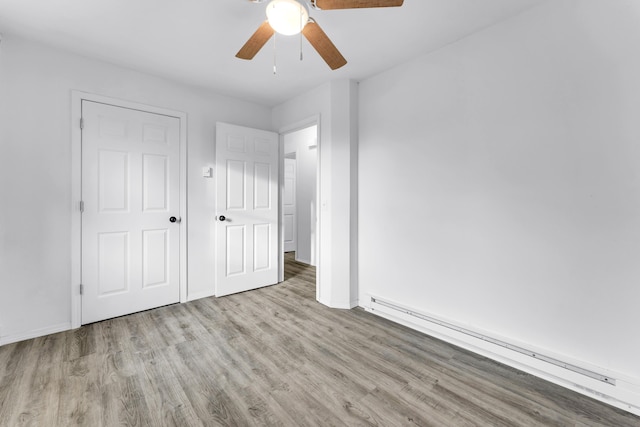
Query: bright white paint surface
point(304, 144)
point(344, 191)
point(195, 42)
point(247, 197)
point(130, 189)
point(516, 153)
point(35, 164)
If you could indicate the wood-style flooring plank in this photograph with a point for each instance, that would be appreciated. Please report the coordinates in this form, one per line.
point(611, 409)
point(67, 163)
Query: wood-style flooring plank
point(272, 357)
point(14, 409)
point(170, 401)
point(80, 392)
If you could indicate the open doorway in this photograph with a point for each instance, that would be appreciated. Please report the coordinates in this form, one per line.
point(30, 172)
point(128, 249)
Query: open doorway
point(299, 196)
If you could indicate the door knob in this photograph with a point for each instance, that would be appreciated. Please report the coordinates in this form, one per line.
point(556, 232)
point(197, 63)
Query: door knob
point(222, 218)
point(173, 219)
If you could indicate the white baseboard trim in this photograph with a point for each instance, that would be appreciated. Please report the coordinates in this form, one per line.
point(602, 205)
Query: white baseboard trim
point(302, 260)
point(622, 391)
point(10, 339)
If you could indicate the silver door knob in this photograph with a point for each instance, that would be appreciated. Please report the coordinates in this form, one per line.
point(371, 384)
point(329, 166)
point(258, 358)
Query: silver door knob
point(222, 218)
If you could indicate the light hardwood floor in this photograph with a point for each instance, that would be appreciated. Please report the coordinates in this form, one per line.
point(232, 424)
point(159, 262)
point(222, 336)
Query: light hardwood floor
point(273, 356)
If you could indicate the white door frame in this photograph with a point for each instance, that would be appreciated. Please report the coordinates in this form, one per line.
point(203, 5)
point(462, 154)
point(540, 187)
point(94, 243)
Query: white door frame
point(302, 124)
point(76, 191)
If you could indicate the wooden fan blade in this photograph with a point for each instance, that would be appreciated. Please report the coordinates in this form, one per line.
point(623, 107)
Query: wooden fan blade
point(355, 4)
point(256, 41)
point(321, 43)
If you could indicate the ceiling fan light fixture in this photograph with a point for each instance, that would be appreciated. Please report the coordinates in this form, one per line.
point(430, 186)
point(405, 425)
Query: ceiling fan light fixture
point(287, 17)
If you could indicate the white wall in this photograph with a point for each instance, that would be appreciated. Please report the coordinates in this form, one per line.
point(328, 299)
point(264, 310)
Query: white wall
point(303, 143)
point(35, 166)
point(500, 183)
point(337, 146)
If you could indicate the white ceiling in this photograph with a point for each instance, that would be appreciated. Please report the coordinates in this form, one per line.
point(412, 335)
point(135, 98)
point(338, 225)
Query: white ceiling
point(195, 41)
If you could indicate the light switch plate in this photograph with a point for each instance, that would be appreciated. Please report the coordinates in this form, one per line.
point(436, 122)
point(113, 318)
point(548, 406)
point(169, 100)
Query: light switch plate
point(207, 172)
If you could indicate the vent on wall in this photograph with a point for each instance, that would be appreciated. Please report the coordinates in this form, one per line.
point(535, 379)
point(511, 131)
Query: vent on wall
point(376, 303)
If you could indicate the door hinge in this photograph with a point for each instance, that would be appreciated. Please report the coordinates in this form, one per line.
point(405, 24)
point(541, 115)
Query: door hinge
point(81, 206)
point(81, 289)
point(81, 123)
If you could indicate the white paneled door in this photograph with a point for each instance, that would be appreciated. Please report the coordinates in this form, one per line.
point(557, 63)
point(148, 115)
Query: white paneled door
point(247, 201)
point(130, 222)
point(289, 205)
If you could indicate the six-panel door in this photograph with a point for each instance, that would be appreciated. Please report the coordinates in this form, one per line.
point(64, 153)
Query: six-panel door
point(247, 198)
point(130, 190)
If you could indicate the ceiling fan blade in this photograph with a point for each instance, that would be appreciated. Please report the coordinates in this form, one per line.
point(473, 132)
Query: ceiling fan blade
point(321, 43)
point(354, 4)
point(256, 41)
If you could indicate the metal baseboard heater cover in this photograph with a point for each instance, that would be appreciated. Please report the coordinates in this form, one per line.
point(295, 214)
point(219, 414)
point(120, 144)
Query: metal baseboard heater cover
point(596, 376)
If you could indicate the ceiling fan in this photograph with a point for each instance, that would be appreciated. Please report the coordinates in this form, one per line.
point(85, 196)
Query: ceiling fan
point(289, 17)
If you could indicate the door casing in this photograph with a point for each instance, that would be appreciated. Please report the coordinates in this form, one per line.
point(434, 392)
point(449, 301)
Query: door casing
point(302, 124)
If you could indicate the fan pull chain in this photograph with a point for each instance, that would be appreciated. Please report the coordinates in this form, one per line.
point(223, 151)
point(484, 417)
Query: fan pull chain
point(301, 27)
point(274, 55)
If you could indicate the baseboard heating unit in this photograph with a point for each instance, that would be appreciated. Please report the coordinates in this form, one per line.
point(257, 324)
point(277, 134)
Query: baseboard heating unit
point(376, 302)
